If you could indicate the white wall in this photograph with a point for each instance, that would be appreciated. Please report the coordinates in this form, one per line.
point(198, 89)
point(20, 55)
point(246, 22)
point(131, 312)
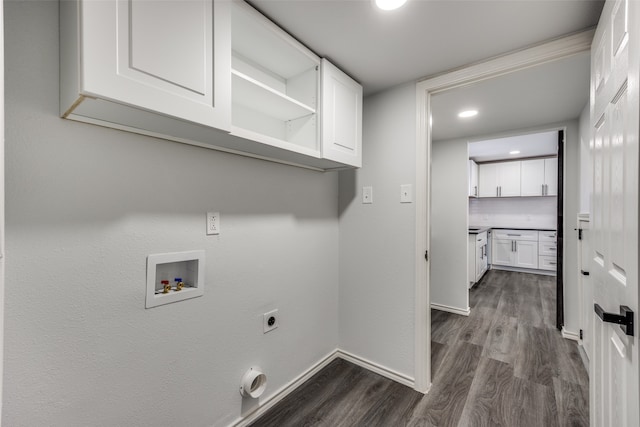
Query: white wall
point(377, 241)
point(86, 205)
point(449, 228)
point(517, 212)
point(585, 160)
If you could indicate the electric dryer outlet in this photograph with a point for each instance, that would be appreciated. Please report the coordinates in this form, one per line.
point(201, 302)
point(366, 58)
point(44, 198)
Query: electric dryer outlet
point(270, 321)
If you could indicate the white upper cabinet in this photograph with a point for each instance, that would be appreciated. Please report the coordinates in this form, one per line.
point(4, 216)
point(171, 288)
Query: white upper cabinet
point(499, 179)
point(153, 55)
point(539, 177)
point(341, 116)
point(275, 87)
point(473, 179)
point(215, 74)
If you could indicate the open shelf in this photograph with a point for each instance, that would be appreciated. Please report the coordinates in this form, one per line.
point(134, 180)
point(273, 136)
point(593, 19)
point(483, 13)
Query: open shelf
point(252, 94)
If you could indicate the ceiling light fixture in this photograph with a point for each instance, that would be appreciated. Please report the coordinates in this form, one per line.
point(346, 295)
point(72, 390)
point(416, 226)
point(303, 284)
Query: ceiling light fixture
point(514, 152)
point(468, 113)
point(389, 4)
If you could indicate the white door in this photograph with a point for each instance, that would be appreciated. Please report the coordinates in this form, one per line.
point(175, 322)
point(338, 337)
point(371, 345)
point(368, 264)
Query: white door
point(509, 179)
point(526, 255)
point(551, 176)
point(532, 177)
point(172, 57)
point(614, 103)
point(488, 180)
point(341, 116)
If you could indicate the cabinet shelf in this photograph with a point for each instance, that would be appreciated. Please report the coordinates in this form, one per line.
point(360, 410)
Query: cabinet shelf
point(252, 94)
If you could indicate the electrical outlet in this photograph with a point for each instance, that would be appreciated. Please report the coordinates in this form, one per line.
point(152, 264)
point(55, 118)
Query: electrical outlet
point(367, 195)
point(406, 193)
point(270, 321)
point(213, 223)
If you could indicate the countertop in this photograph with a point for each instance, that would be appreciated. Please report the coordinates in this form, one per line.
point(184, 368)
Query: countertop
point(479, 229)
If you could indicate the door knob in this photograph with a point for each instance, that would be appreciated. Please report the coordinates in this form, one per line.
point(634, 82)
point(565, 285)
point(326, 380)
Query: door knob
point(624, 319)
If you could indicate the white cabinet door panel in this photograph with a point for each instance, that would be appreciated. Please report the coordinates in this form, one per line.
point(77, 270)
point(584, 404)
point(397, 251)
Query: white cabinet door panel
point(526, 255)
point(502, 252)
point(488, 180)
point(509, 179)
point(341, 116)
point(551, 176)
point(532, 178)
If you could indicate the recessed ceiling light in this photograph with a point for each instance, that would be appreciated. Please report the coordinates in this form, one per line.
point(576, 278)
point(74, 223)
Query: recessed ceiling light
point(514, 152)
point(467, 114)
point(389, 4)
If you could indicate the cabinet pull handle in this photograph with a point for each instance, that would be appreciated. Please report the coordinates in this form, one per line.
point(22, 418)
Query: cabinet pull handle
point(542, 185)
point(475, 190)
point(497, 191)
point(508, 234)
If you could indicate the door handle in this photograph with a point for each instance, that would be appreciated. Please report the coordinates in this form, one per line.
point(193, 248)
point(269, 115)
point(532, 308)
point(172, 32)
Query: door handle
point(624, 319)
point(584, 273)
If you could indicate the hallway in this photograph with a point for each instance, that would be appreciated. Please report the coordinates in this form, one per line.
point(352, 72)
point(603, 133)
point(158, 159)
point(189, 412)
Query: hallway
point(504, 365)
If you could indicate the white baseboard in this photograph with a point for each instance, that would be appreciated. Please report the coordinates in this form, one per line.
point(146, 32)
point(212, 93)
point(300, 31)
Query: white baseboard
point(449, 309)
point(570, 335)
point(284, 391)
point(297, 382)
point(378, 369)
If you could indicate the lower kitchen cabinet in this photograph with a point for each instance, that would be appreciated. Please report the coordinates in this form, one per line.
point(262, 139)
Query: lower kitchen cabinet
point(478, 259)
point(515, 248)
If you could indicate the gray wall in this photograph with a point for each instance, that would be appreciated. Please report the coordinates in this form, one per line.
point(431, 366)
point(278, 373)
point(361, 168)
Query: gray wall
point(449, 223)
point(86, 205)
point(377, 241)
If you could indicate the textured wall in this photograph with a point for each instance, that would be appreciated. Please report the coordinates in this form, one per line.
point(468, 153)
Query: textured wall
point(86, 205)
point(377, 241)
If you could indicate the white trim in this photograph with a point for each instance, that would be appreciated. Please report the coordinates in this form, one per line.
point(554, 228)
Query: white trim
point(284, 391)
point(449, 309)
point(570, 335)
point(291, 386)
point(515, 61)
point(377, 368)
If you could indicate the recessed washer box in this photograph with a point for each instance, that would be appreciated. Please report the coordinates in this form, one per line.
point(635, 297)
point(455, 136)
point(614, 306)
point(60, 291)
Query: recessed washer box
point(186, 266)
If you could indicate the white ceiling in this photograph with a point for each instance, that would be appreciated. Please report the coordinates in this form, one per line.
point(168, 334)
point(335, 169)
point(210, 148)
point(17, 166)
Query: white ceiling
point(549, 93)
point(530, 145)
point(424, 37)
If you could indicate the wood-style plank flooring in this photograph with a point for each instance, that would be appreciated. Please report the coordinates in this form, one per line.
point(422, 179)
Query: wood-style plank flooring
point(504, 365)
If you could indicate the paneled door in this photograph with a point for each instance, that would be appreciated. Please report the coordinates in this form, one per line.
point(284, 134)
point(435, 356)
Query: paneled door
point(615, 63)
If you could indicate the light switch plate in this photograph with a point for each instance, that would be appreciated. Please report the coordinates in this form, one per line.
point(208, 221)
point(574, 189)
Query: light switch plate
point(367, 195)
point(406, 193)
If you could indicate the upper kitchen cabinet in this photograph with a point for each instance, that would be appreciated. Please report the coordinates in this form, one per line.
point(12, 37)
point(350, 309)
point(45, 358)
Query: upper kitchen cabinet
point(499, 179)
point(473, 179)
point(215, 74)
point(276, 83)
point(167, 57)
point(539, 177)
point(341, 116)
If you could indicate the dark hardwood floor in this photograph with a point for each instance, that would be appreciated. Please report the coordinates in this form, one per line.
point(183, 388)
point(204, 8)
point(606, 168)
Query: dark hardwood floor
point(504, 365)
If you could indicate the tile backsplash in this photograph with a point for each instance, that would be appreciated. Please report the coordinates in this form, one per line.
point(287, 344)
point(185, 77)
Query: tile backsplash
point(524, 212)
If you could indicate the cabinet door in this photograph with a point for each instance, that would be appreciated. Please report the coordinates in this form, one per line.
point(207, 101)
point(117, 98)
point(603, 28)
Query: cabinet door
point(341, 116)
point(473, 179)
point(526, 255)
point(167, 56)
point(509, 179)
point(488, 180)
point(502, 252)
point(551, 176)
point(532, 177)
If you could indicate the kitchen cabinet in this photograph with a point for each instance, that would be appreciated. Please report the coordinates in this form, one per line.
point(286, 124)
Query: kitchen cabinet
point(515, 248)
point(477, 257)
point(539, 177)
point(547, 250)
point(341, 116)
point(473, 179)
point(214, 74)
point(499, 179)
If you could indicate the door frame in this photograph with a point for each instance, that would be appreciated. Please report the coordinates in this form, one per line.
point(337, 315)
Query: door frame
point(547, 52)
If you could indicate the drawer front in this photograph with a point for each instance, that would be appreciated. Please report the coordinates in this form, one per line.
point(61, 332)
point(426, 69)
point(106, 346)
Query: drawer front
point(516, 234)
point(547, 263)
point(547, 236)
point(481, 238)
point(547, 248)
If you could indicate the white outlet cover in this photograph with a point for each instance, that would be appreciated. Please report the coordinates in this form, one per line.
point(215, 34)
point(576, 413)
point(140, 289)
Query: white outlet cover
point(367, 195)
point(265, 321)
point(213, 223)
point(406, 193)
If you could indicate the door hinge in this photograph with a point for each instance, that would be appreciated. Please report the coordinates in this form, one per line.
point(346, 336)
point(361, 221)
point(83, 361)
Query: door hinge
point(581, 335)
point(426, 255)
